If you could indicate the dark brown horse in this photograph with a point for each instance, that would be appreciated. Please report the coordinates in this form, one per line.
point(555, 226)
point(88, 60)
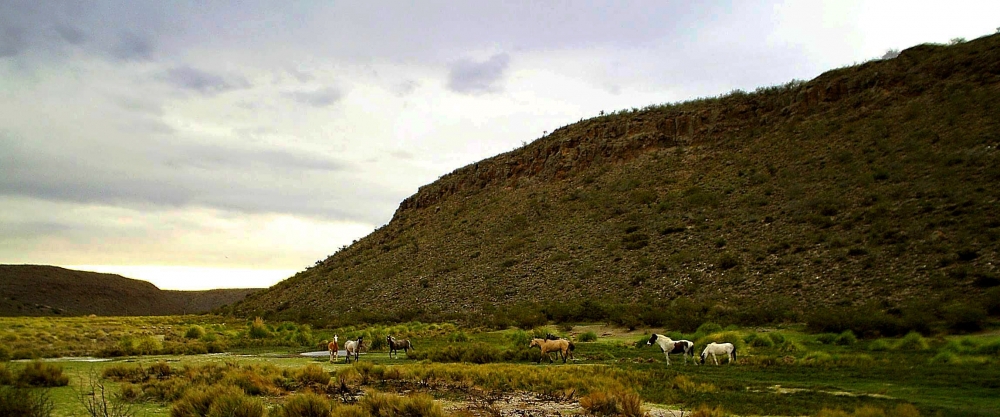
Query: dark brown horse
point(395, 345)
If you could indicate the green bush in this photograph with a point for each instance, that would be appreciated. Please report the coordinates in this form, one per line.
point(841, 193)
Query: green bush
point(195, 332)
point(879, 345)
point(305, 405)
point(23, 402)
point(458, 337)
point(827, 338)
point(777, 338)
point(709, 328)
point(41, 374)
point(588, 336)
point(913, 341)
point(846, 338)
point(757, 340)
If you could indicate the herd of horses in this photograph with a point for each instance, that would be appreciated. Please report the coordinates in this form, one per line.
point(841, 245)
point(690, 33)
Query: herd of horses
point(563, 348)
point(686, 349)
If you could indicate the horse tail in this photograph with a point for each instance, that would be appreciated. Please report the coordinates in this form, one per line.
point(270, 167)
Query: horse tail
point(734, 353)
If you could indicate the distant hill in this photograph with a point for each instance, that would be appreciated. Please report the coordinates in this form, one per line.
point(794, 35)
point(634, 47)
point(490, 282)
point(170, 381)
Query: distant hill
point(871, 184)
point(38, 290)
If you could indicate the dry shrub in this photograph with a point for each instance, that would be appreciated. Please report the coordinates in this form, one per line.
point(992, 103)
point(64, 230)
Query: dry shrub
point(901, 410)
point(305, 405)
point(684, 384)
point(388, 405)
point(706, 411)
point(197, 402)
point(236, 404)
point(602, 403)
point(312, 374)
point(40, 374)
point(23, 402)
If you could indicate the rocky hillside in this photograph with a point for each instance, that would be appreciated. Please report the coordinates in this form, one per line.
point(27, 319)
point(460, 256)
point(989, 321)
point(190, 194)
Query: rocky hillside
point(37, 290)
point(873, 184)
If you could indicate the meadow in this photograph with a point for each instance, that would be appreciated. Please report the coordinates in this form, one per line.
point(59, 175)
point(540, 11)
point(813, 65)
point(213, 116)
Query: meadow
point(210, 365)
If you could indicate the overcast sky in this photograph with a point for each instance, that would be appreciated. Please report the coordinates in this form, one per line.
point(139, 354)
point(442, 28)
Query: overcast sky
point(210, 144)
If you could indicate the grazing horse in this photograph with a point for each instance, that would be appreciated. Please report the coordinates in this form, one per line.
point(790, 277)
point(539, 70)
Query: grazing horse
point(562, 346)
point(668, 346)
point(395, 345)
point(719, 349)
point(353, 347)
point(334, 349)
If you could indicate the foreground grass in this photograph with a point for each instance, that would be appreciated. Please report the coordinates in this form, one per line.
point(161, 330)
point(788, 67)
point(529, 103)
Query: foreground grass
point(784, 372)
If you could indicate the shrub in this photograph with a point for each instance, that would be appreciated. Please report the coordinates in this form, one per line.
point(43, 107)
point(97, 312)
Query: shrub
point(756, 340)
point(913, 341)
point(458, 337)
point(600, 403)
point(305, 405)
point(827, 338)
point(846, 338)
point(706, 411)
point(23, 402)
point(40, 374)
point(709, 328)
point(312, 374)
point(777, 338)
point(197, 402)
point(386, 405)
point(879, 345)
point(195, 332)
point(588, 336)
point(258, 330)
point(236, 404)
point(6, 376)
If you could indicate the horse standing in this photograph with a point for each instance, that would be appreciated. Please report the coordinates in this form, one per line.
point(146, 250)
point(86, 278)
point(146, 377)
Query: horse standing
point(353, 347)
point(334, 349)
point(395, 345)
point(719, 349)
point(562, 346)
point(668, 346)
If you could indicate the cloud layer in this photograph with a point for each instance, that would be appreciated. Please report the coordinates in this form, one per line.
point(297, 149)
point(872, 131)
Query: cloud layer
point(266, 135)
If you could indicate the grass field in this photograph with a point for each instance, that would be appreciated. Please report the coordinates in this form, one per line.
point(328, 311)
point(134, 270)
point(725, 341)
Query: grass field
point(778, 372)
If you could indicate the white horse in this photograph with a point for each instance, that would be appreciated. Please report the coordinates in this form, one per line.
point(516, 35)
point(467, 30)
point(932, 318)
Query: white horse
point(719, 349)
point(668, 346)
point(353, 347)
point(334, 349)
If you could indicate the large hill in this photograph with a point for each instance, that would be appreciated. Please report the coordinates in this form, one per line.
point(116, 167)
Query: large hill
point(38, 290)
point(873, 184)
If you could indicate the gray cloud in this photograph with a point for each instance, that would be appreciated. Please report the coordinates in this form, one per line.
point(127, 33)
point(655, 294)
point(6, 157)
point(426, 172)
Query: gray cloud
point(133, 47)
point(12, 41)
point(70, 34)
point(317, 98)
point(472, 77)
point(204, 82)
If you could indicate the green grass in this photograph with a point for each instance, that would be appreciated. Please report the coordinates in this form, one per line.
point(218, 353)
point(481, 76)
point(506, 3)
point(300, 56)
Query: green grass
point(793, 373)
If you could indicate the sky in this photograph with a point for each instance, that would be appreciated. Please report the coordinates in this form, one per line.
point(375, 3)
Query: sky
point(201, 145)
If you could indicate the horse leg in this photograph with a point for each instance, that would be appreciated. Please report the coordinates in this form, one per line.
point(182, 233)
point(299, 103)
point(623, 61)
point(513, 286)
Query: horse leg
point(667, 355)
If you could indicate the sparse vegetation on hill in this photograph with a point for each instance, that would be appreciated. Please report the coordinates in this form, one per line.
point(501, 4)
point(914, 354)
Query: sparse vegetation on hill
point(40, 290)
point(868, 189)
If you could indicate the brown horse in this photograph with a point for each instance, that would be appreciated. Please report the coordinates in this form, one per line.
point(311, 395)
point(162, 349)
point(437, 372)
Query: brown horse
point(395, 345)
point(334, 349)
point(562, 347)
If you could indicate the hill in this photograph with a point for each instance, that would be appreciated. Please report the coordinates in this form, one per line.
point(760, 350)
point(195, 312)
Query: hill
point(38, 290)
point(870, 187)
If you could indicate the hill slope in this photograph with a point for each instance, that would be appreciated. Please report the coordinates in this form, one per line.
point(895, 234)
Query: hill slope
point(869, 184)
point(37, 290)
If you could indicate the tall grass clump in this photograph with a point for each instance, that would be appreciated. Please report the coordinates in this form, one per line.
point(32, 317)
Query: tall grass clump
point(706, 411)
point(41, 374)
point(387, 405)
point(913, 341)
point(879, 345)
point(588, 336)
point(601, 403)
point(846, 338)
point(195, 332)
point(25, 402)
point(236, 404)
point(305, 405)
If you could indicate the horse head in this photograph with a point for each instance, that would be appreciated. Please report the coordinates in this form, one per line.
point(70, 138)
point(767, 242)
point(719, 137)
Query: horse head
point(652, 339)
point(550, 336)
point(335, 339)
point(534, 342)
